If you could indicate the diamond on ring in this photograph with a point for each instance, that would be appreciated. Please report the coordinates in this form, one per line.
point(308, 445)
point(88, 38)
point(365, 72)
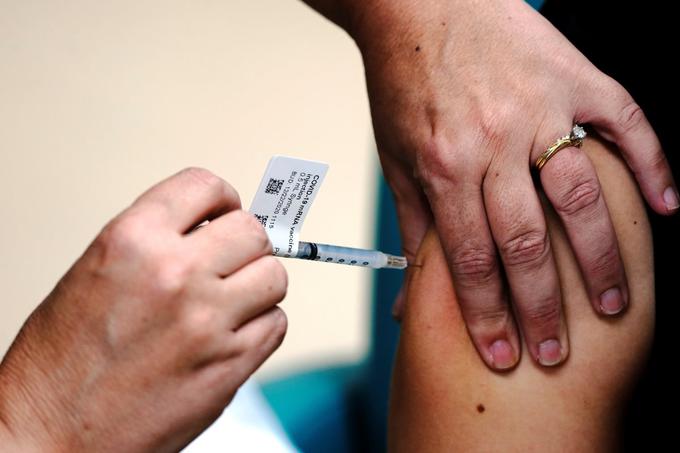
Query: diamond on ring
point(578, 133)
point(575, 139)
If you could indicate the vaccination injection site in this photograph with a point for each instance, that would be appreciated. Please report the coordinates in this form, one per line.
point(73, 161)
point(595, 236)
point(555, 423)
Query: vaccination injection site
point(337, 226)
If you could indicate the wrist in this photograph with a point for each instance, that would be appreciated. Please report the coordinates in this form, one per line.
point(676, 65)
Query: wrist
point(381, 27)
point(13, 443)
point(6, 437)
point(14, 435)
point(29, 417)
point(384, 23)
point(353, 15)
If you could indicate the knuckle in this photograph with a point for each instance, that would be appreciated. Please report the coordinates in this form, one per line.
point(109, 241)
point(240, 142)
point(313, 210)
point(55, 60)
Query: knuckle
point(169, 278)
point(529, 247)
point(247, 222)
point(544, 314)
point(606, 262)
point(262, 241)
point(230, 192)
point(232, 343)
point(485, 318)
point(277, 277)
point(435, 160)
point(255, 233)
point(496, 126)
point(203, 176)
point(657, 161)
point(276, 332)
point(578, 197)
point(213, 184)
point(630, 117)
point(121, 237)
point(474, 265)
point(199, 326)
point(280, 326)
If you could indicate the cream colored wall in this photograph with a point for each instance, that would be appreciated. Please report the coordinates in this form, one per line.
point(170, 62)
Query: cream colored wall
point(98, 100)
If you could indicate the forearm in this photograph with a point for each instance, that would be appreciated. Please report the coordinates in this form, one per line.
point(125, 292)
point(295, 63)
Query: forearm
point(48, 399)
point(30, 390)
point(369, 19)
point(16, 414)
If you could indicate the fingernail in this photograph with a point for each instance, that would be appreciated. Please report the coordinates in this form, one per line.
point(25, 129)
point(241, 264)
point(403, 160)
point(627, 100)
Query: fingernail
point(670, 197)
point(502, 355)
point(549, 353)
point(611, 301)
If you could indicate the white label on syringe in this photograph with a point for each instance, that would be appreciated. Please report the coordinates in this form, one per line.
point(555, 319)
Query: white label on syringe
point(283, 199)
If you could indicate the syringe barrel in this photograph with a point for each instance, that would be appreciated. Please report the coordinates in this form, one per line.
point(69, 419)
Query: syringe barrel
point(348, 255)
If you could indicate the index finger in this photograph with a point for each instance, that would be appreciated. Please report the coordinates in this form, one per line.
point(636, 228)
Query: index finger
point(619, 119)
point(471, 254)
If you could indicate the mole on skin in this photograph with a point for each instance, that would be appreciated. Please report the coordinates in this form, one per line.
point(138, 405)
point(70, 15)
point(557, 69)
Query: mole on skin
point(480, 408)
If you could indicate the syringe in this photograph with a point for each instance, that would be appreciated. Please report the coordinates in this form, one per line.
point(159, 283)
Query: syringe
point(350, 256)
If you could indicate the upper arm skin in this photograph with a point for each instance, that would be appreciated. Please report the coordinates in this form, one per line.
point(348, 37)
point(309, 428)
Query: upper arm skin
point(445, 399)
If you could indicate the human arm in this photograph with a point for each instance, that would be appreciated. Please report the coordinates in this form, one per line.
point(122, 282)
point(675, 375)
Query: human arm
point(148, 336)
point(465, 95)
point(443, 399)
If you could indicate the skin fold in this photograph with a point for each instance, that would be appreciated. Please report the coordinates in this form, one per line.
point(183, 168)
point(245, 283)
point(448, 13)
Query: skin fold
point(444, 398)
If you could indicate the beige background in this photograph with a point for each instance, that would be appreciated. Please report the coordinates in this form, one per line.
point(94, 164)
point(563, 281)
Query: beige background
point(98, 100)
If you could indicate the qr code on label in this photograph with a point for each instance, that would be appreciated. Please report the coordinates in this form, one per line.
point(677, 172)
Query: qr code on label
point(274, 186)
point(262, 219)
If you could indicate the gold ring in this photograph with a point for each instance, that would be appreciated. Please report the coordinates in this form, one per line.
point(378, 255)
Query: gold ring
point(575, 138)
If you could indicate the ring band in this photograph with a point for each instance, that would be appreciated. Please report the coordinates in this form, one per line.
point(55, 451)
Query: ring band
point(575, 138)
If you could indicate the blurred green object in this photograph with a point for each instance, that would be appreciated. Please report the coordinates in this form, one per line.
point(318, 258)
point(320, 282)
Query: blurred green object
point(343, 409)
